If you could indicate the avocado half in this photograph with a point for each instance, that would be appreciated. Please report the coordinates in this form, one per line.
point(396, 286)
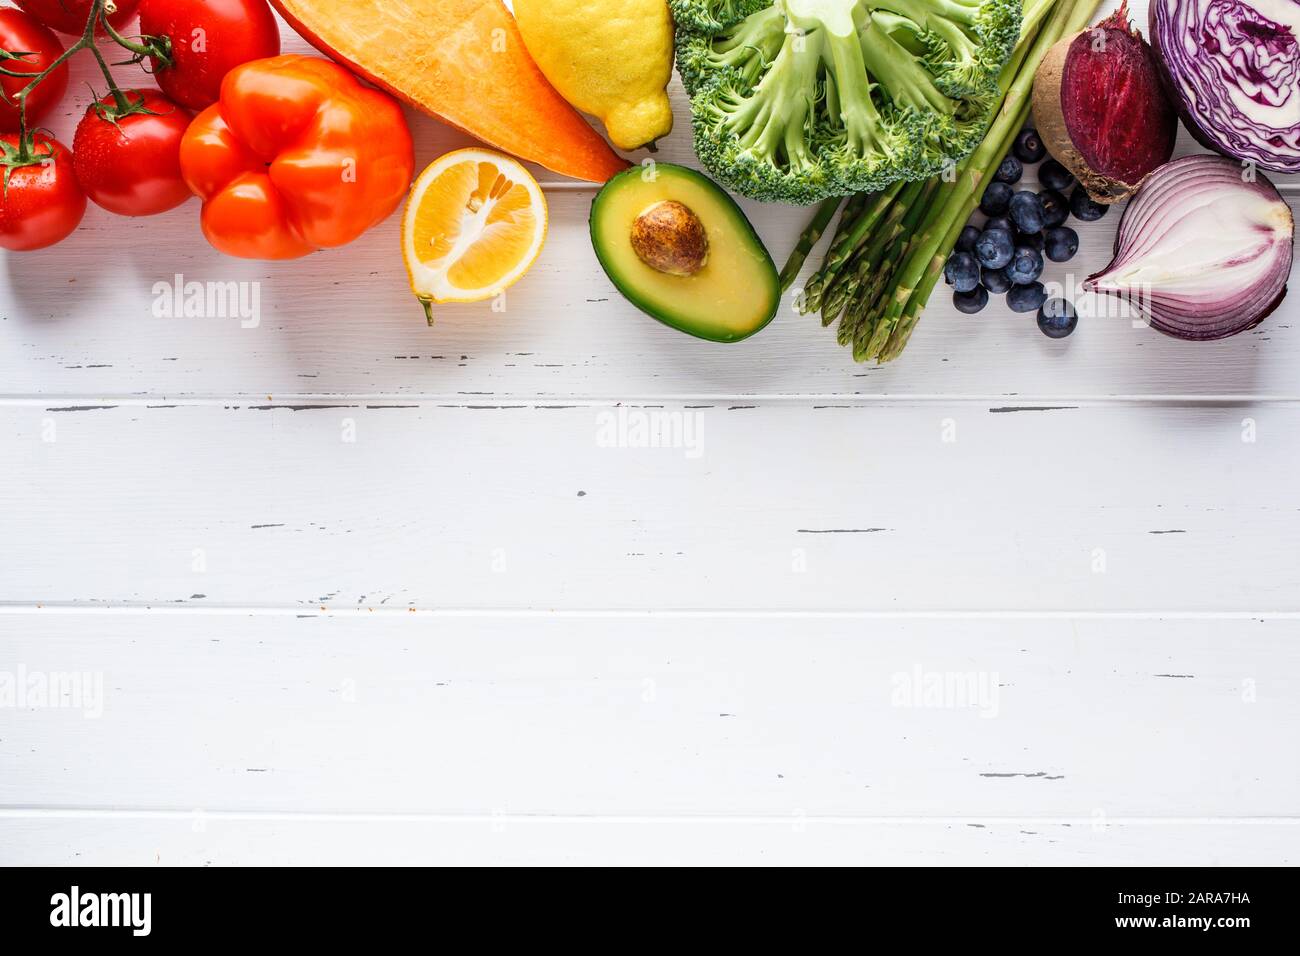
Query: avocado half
point(734, 293)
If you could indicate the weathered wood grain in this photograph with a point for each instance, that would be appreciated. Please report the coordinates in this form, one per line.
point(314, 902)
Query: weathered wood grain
point(943, 506)
point(991, 722)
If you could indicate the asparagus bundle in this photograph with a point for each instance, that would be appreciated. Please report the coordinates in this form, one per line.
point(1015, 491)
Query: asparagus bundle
point(890, 247)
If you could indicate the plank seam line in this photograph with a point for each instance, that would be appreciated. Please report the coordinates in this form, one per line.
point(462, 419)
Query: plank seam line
point(1068, 614)
point(549, 400)
point(794, 817)
point(1284, 186)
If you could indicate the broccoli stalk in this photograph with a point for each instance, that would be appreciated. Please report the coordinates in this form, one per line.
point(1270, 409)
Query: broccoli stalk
point(745, 53)
point(801, 100)
point(772, 121)
point(909, 83)
point(951, 31)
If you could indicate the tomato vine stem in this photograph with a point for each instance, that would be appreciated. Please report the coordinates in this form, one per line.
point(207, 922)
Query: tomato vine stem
point(100, 11)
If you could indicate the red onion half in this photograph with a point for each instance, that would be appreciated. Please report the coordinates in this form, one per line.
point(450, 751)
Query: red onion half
point(1202, 251)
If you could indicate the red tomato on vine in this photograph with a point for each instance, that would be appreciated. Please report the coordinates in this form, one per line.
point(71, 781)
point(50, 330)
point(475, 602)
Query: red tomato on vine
point(20, 33)
point(41, 203)
point(209, 38)
point(130, 163)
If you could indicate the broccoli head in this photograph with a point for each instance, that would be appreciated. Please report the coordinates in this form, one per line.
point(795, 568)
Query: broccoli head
point(797, 100)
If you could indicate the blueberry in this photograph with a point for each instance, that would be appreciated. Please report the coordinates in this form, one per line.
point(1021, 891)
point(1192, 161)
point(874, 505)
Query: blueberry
point(995, 199)
point(993, 248)
point(1057, 318)
point(995, 280)
point(1061, 244)
point(999, 222)
point(1026, 266)
point(1026, 211)
point(1055, 176)
point(1032, 239)
point(972, 301)
point(1010, 171)
point(1026, 298)
point(966, 241)
point(1028, 147)
point(1056, 209)
point(1084, 207)
point(962, 272)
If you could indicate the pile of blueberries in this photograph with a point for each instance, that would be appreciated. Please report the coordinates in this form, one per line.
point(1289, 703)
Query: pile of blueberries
point(1023, 226)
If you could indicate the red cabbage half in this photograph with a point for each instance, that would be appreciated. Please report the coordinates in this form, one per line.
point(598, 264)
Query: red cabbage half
point(1233, 67)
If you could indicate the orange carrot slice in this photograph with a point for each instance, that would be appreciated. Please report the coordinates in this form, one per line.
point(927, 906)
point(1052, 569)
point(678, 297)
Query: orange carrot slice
point(465, 62)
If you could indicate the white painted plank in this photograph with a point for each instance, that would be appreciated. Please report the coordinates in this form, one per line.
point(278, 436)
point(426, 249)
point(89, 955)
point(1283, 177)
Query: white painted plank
point(78, 320)
point(203, 840)
point(1097, 508)
point(1078, 722)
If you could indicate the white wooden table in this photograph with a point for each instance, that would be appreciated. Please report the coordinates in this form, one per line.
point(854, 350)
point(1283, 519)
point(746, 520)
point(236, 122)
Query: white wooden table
point(357, 590)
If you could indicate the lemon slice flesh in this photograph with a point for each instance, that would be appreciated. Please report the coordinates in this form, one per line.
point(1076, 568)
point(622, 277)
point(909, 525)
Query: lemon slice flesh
point(474, 224)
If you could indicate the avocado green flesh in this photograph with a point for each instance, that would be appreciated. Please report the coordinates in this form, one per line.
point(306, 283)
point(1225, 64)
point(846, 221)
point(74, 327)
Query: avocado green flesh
point(733, 296)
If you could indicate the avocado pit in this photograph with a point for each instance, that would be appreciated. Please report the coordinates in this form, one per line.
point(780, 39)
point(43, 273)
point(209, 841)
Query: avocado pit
point(670, 238)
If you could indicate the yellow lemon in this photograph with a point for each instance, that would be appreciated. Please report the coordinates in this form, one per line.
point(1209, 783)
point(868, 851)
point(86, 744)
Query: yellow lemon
point(610, 58)
point(474, 223)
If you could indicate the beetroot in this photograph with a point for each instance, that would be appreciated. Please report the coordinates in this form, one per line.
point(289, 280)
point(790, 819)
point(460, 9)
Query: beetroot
point(1102, 110)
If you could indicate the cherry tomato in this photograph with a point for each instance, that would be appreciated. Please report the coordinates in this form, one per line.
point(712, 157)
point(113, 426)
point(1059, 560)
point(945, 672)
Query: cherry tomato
point(42, 204)
point(70, 16)
point(209, 39)
point(21, 33)
point(132, 165)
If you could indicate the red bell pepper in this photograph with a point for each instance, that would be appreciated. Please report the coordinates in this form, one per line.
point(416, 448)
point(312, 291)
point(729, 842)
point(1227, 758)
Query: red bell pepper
point(296, 156)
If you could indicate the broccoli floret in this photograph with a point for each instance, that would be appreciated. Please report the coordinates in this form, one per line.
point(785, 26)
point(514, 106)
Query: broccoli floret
point(713, 16)
point(742, 53)
point(798, 100)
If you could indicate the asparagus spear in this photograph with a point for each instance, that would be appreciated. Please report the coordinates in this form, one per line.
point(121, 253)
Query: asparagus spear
point(809, 238)
point(897, 254)
point(846, 244)
point(926, 262)
point(889, 248)
point(874, 268)
point(862, 267)
point(921, 211)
